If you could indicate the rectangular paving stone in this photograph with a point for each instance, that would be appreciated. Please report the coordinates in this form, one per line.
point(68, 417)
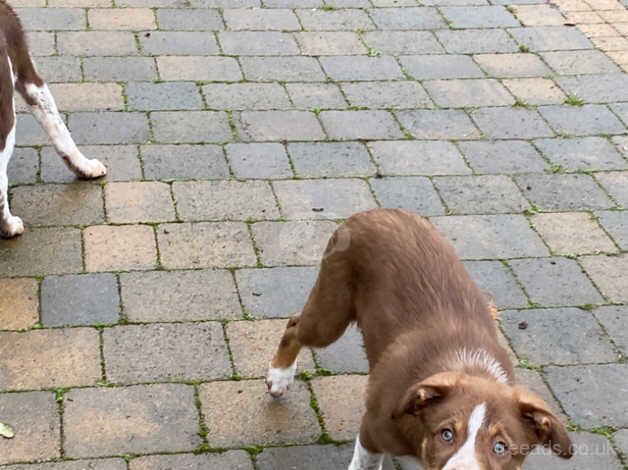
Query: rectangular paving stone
point(119, 248)
point(191, 126)
point(414, 193)
point(316, 95)
point(387, 95)
point(100, 464)
point(275, 292)
point(539, 15)
point(296, 243)
point(172, 162)
point(582, 120)
point(233, 459)
point(246, 96)
point(88, 96)
point(79, 300)
point(165, 352)
point(278, 125)
point(490, 236)
point(253, 343)
point(616, 183)
point(616, 224)
point(579, 62)
point(285, 69)
point(163, 96)
point(259, 160)
point(108, 128)
point(132, 19)
point(268, 421)
point(402, 42)
point(478, 16)
point(608, 273)
point(330, 43)
point(512, 65)
point(305, 457)
point(218, 200)
point(23, 166)
point(351, 125)
point(334, 20)
point(179, 43)
point(613, 318)
point(535, 91)
point(498, 281)
point(361, 68)
point(407, 18)
point(56, 19)
point(31, 132)
point(586, 153)
point(96, 43)
point(323, 199)
point(119, 68)
point(49, 358)
point(257, 43)
point(195, 68)
point(497, 157)
point(329, 159)
point(346, 355)
point(621, 110)
point(428, 158)
point(550, 38)
point(55, 250)
point(35, 420)
point(205, 245)
point(563, 192)
point(19, 303)
point(476, 41)
point(242, 19)
point(468, 93)
point(179, 296)
point(166, 409)
point(427, 67)
point(511, 123)
point(438, 124)
point(142, 201)
point(42, 43)
point(187, 19)
point(598, 88)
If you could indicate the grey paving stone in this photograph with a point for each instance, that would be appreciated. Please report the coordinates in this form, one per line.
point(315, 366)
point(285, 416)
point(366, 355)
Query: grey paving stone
point(285, 69)
point(252, 161)
point(427, 67)
point(586, 153)
point(614, 319)
point(413, 193)
point(191, 126)
point(346, 355)
point(187, 19)
point(239, 96)
point(172, 162)
point(582, 120)
point(478, 17)
point(557, 336)
point(616, 224)
point(108, 128)
point(328, 159)
point(598, 88)
point(323, 199)
point(163, 96)
point(555, 282)
point(42, 43)
point(402, 42)
point(387, 95)
point(476, 41)
point(491, 236)
point(497, 157)
point(59, 69)
point(275, 292)
point(56, 19)
point(100, 464)
point(79, 300)
point(361, 68)
point(407, 18)
point(496, 279)
point(512, 65)
point(579, 62)
point(589, 393)
point(621, 109)
point(230, 460)
point(97, 43)
point(609, 274)
point(551, 38)
point(438, 124)
point(562, 192)
point(257, 43)
point(316, 95)
point(468, 93)
point(511, 123)
point(179, 43)
point(243, 19)
point(334, 20)
point(616, 183)
point(23, 166)
point(278, 125)
point(305, 457)
point(30, 132)
point(119, 69)
point(418, 158)
point(350, 125)
point(480, 194)
point(621, 440)
point(330, 43)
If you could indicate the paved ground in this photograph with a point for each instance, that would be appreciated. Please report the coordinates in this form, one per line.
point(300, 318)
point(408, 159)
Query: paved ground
point(137, 315)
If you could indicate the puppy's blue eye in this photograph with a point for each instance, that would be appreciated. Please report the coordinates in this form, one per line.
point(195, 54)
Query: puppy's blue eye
point(447, 435)
point(500, 448)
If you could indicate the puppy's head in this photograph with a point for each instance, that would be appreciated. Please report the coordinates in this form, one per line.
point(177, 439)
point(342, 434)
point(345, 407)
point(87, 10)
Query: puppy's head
point(470, 423)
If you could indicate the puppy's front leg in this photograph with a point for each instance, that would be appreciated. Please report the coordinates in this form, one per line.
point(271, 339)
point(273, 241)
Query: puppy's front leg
point(365, 460)
point(283, 366)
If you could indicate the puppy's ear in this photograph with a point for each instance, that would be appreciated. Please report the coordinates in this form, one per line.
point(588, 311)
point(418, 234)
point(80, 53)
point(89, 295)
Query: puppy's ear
point(546, 428)
point(422, 394)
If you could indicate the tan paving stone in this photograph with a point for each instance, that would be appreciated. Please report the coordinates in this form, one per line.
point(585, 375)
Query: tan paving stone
point(584, 18)
point(609, 274)
point(538, 15)
point(621, 57)
point(133, 19)
point(132, 202)
point(19, 303)
point(49, 358)
point(88, 96)
point(611, 43)
point(598, 30)
point(119, 248)
point(230, 460)
point(535, 91)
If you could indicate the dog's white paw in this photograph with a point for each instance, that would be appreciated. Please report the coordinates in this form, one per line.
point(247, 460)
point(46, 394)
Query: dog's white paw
point(92, 169)
point(278, 380)
point(12, 227)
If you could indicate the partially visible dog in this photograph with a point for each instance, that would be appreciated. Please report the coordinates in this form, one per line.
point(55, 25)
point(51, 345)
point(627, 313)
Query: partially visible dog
point(18, 72)
point(441, 387)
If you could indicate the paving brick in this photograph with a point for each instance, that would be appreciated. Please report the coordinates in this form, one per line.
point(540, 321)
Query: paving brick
point(412, 193)
point(387, 95)
point(613, 318)
point(250, 416)
point(165, 352)
point(426, 67)
point(571, 233)
point(539, 15)
point(186, 19)
point(579, 62)
point(97, 43)
point(305, 457)
point(19, 303)
point(622, 144)
point(323, 159)
point(132, 19)
point(39, 251)
point(343, 125)
point(585, 401)
point(275, 292)
point(557, 336)
point(550, 38)
point(252, 161)
point(512, 65)
point(490, 236)
point(41, 44)
point(316, 95)
point(59, 68)
point(88, 96)
point(621, 109)
point(407, 18)
point(194, 68)
point(232, 460)
point(119, 248)
point(402, 42)
point(345, 355)
point(562, 192)
point(285, 69)
point(163, 96)
point(582, 120)
point(597, 88)
point(171, 162)
point(108, 128)
point(535, 91)
point(205, 245)
point(134, 202)
point(104, 421)
point(497, 157)
point(438, 124)
point(59, 204)
point(278, 125)
point(497, 280)
point(330, 43)
point(478, 16)
point(468, 93)
point(191, 127)
point(361, 68)
point(295, 243)
point(23, 166)
point(34, 417)
point(293, 3)
point(418, 158)
point(621, 440)
point(511, 123)
point(246, 96)
point(100, 464)
point(587, 153)
point(31, 132)
point(49, 358)
point(253, 345)
point(56, 19)
point(616, 183)
point(323, 199)
point(476, 41)
point(608, 273)
point(261, 20)
point(178, 43)
point(480, 194)
point(119, 68)
point(79, 300)
point(613, 43)
point(257, 43)
point(179, 296)
point(616, 224)
point(334, 20)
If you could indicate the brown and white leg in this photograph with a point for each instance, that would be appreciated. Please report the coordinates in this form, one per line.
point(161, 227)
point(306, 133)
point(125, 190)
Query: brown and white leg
point(283, 366)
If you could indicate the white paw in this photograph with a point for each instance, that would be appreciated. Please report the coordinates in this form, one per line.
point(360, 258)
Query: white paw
point(92, 169)
point(12, 227)
point(278, 380)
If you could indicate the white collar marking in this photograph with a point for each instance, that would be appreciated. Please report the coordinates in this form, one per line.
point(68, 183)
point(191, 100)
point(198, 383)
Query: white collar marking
point(480, 359)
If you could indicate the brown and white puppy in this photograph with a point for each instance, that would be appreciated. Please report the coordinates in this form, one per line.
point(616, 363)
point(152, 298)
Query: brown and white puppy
point(18, 72)
point(441, 387)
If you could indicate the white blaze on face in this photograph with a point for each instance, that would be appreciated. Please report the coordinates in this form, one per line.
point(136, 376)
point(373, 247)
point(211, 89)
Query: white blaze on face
point(465, 458)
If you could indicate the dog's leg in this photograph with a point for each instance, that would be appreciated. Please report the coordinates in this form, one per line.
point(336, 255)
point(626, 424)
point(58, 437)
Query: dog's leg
point(283, 366)
point(363, 459)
